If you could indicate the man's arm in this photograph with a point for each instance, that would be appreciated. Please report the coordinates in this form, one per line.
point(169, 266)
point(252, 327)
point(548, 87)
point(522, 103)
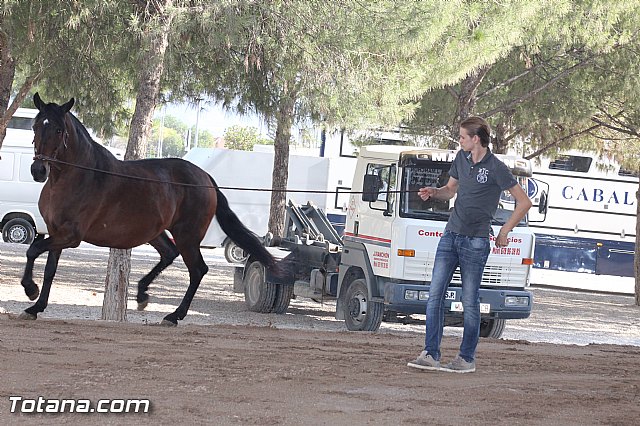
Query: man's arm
point(443, 193)
point(523, 204)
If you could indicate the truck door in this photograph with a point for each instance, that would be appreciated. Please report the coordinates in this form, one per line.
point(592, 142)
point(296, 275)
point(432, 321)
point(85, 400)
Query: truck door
point(376, 210)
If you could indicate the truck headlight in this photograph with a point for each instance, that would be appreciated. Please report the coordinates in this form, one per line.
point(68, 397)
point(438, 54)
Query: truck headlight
point(424, 295)
point(411, 294)
point(516, 301)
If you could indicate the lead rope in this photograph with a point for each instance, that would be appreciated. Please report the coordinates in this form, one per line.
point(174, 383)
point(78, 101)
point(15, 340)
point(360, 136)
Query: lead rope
point(233, 188)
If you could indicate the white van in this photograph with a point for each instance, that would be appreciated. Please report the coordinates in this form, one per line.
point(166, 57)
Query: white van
point(20, 219)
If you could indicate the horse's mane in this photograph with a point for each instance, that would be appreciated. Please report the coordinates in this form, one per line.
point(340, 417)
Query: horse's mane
point(86, 136)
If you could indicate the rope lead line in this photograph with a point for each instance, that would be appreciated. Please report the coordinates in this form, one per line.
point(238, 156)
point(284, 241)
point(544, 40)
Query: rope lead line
point(231, 188)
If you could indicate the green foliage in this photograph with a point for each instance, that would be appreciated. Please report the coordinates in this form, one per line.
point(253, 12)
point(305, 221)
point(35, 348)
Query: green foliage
point(174, 135)
point(243, 138)
point(545, 92)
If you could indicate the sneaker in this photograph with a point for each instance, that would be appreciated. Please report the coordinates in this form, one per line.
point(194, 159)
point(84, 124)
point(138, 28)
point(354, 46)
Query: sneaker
point(424, 362)
point(459, 365)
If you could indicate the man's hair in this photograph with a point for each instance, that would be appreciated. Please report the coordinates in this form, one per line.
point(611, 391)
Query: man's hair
point(477, 126)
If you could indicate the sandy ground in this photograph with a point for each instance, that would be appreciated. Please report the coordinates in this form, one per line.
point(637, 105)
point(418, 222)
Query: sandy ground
point(575, 361)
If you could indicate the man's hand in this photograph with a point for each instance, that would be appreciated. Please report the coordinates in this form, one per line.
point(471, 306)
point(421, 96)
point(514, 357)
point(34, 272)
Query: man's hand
point(427, 192)
point(502, 240)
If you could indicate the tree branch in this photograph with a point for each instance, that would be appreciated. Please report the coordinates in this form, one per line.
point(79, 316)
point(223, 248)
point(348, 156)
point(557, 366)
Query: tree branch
point(559, 141)
point(534, 92)
point(622, 128)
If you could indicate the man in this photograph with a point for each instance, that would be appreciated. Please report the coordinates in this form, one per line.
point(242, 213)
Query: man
point(478, 177)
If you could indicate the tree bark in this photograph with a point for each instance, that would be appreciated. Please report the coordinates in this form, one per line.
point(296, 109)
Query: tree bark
point(466, 101)
point(284, 118)
point(151, 66)
point(114, 305)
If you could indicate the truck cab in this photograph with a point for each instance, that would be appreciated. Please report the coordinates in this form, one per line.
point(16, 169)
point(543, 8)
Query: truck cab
point(391, 236)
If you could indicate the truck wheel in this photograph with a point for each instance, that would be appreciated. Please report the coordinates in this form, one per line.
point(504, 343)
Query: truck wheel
point(492, 327)
point(233, 253)
point(258, 294)
point(284, 293)
point(360, 313)
point(18, 231)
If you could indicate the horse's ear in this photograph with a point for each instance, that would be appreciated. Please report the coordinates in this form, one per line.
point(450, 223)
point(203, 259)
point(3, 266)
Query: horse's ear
point(67, 107)
point(38, 102)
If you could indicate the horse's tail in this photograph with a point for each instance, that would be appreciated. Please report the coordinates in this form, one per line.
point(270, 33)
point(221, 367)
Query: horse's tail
point(240, 234)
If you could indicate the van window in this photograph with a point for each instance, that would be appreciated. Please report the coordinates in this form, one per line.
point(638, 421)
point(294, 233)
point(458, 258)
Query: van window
point(20, 123)
point(6, 166)
point(628, 173)
point(571, 163)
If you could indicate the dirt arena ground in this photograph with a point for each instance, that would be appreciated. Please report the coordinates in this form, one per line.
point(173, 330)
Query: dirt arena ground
point(224, 365)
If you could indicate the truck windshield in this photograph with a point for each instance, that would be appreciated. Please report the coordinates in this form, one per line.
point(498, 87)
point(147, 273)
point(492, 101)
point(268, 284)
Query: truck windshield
point(436, 174)
point(417, 176)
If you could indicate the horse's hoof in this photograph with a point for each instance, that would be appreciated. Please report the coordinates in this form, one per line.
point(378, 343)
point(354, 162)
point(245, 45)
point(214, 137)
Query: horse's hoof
point(27, 316)
point(167, 323)
point(142, 305)
point(32, 293)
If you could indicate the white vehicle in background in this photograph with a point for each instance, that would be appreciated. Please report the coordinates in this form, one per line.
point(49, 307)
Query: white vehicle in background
point(20, 218)
point(253, 170)
point(591, 222)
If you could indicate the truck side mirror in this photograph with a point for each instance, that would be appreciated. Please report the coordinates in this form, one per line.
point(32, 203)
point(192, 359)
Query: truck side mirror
point(371, 188)
point(543, 205)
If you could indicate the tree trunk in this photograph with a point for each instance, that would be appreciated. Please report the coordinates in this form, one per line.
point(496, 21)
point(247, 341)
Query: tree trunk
point(7, 71)
point(284, 118)
point(466, 101)
point(151, 66)
point(114, 306)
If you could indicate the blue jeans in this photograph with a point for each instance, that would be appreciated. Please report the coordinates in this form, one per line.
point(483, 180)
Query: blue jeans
point(471, 254)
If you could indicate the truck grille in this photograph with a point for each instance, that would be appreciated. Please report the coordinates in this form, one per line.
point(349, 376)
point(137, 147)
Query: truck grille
point(501, 274)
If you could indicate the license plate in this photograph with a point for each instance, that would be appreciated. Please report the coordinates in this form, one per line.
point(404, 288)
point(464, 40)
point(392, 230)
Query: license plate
point(450, 295)
point(485, 308)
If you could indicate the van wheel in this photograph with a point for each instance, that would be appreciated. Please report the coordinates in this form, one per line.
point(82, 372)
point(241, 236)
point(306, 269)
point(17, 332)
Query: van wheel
point(360, 313)
point(233, 253)
point(259, 295)
point(18, 231)
point(492, 327)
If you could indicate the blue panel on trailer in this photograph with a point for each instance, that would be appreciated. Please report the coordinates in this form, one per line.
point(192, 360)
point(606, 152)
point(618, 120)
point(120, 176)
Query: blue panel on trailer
point(565, 253)
point(615, 258)
point(338, 221)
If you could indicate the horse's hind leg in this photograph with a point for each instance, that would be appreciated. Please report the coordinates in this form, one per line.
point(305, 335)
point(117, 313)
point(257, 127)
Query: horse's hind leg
point(168, 252)
point(49, 272)
point(197, 269)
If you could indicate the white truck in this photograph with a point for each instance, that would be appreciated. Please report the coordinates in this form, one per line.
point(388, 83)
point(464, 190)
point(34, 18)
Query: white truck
point(382, 266)
point(251, 172)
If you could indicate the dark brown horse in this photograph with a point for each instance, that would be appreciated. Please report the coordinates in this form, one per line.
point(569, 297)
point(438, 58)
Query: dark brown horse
point(92, 196)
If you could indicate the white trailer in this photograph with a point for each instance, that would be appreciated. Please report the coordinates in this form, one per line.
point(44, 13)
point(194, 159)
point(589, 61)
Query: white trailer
point(252, 172)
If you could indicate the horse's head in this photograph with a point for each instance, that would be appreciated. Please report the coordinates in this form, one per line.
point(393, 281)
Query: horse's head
point(50, 135)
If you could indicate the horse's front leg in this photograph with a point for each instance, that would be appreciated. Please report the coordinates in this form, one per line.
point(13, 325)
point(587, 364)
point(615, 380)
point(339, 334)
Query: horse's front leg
point(35, 250)
point(49, 272)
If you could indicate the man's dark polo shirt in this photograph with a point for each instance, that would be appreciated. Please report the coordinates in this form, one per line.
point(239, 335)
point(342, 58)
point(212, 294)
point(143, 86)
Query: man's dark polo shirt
point(479, 189)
